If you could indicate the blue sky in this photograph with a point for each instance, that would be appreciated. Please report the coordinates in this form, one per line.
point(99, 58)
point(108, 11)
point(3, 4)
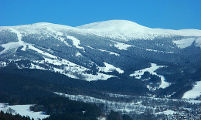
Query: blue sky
point(174, 14)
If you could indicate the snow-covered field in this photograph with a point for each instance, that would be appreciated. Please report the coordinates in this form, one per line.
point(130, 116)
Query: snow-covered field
point(75, 41)
point(167, 112)
point(139, 73)
point(183, 43)
point(110, 68)
point(121, 46)
point(23, 110)
point(194, 92)
point(111, 53)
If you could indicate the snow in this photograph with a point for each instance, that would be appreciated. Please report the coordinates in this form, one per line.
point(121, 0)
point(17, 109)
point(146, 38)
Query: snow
point(125, 107)
point(111, 53)
point(3, 64)
point(167, 112)
point(19, 36)
point(69, 69)
point(121, 46)
point(115, 29)
point(127, 30)
point(14, 45)
point(110, 68)
point(194, 92)
point(75, 41)
point(152, 50)
point(99, 76)
point(33, 66)
point(118, 95)
point(58, 35)
point(183, 43)
point(139, 73)
point(163, 84)
point(101, 118)
point(9, 46)
point(23, 110)
point(78, 54)
point(90, 47)
point(193, 101)
point(40, 51)
point(185, 32)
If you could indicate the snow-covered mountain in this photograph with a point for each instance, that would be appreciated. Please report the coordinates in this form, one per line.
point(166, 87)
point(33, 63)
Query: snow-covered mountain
point(115, 29)
point(113, 49)
point(127, 30)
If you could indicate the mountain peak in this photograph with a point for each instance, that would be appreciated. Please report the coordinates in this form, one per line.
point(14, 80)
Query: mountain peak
point(42, 23)
point(113, 25)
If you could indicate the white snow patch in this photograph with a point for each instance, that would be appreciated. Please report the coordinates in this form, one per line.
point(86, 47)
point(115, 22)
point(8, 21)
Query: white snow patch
point(152, 50)
point(3, 64)
point(40, 51)
point(101, 118)
point(110, 68)
point(183, 43)
point(14, 45)
point(139, 73)
point(78, 54)
point(167, 112)
point(57, 35)
point(33, 66)
point(19, 36)
point(193, 101)
point(53, 61)
point(23, 110)
point(111, 53)
point(99, 76)
point(121, 46)
point(75, 41)
point(90, 47)
point(10, 46)
point(70, 69)
point(118, 95)
point(194, 92)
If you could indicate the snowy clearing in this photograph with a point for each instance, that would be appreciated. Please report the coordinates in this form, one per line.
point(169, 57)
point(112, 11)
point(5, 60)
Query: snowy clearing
point(139, 73)
point(23, 110)
point(75, 41)
point(183, 43)
point(111, 53)
point(110, 68)
point(194, 92)
point(167, 112)
point(121, 46)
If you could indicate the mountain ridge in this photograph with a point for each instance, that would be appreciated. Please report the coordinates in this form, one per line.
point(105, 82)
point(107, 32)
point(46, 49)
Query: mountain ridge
point(115, 29)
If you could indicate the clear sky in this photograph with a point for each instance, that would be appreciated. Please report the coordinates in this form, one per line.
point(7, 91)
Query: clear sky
point(174, 14)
